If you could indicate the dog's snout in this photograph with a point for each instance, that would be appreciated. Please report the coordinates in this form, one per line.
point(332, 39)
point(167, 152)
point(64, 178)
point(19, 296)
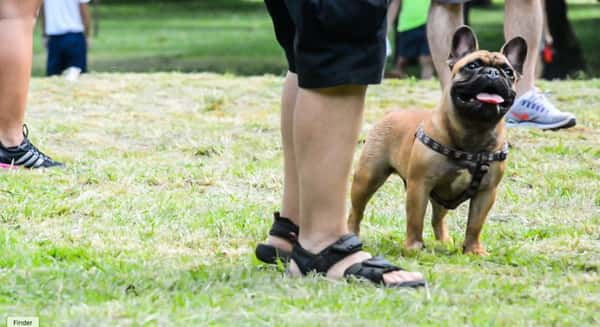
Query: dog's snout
point(491, 72)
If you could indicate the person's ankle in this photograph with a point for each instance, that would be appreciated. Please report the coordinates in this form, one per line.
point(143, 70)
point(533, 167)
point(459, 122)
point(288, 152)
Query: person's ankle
point(316, 242)
point(11, 140)
point(524, 88)
point(291, 215)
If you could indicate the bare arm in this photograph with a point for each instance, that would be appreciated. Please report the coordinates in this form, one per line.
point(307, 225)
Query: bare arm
point(393, 11)
point(86, 18)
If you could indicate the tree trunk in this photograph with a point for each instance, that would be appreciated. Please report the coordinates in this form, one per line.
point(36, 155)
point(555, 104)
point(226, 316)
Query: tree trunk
point(568, 57)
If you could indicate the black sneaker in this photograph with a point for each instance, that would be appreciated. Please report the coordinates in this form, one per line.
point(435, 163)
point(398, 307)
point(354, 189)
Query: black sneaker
point(25, 155)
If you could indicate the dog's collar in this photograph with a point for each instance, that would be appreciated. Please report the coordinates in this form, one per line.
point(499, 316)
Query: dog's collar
point(478, 157)
point(477, 163)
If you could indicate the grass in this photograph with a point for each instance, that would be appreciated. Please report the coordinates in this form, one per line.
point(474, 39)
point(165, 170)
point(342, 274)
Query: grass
point(236, 36)
point(170, 182)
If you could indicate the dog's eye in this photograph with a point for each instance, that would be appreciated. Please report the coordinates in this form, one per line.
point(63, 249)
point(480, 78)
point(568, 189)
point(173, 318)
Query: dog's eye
point(509, 72)
point(475, 64)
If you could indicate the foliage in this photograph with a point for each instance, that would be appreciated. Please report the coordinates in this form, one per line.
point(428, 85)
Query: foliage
point(236, 36)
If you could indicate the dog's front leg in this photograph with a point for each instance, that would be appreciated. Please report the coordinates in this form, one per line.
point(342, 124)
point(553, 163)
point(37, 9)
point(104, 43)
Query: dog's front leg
point(438, 221)
point(478, 210)
point(416, 205)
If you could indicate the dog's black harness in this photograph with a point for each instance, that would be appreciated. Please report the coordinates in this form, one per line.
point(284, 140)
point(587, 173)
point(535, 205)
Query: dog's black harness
point(478, 165)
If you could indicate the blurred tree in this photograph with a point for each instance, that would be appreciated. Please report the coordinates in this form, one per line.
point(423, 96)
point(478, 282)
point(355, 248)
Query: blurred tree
point(567, 58)
point(96, 17)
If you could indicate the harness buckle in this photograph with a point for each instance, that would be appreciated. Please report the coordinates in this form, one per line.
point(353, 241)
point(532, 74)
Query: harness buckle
point(484, 168)
point(481, 157)
point(502, 156)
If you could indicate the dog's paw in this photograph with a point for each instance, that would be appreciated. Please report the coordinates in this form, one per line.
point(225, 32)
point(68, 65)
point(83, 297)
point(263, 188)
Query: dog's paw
point(414, 245)
point(477, 250)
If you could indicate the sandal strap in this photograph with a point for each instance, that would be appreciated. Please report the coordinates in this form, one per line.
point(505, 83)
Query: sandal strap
point(284, 228)
point(372, 269)
point(321, 262)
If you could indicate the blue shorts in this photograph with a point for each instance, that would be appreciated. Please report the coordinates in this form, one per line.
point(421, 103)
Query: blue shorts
point(412, 44)
point(64, 51)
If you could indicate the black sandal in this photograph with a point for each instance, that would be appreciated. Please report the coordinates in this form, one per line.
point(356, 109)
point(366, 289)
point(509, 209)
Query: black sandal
point(371, 269)
point(283, 228)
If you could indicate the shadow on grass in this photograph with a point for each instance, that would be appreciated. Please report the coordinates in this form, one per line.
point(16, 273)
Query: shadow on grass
point(238, 65)
point(127, 8)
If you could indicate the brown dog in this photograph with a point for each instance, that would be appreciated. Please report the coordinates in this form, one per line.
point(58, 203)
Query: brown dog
point(451, 154)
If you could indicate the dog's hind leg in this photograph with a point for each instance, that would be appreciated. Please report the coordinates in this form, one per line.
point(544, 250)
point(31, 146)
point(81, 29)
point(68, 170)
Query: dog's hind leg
point(438, 221)
point(367, 180)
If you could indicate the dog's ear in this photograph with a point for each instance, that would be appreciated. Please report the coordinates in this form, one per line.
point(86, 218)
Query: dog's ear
point(515, 51)
point(464, 42)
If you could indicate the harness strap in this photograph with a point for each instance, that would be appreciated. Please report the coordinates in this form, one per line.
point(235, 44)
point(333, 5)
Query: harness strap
point(477, 176)
point(451, 153)
point(324, 260)
point(284, 228)
point(478, 165)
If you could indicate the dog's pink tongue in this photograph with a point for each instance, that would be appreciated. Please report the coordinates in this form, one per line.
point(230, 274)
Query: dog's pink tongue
point(490, 98)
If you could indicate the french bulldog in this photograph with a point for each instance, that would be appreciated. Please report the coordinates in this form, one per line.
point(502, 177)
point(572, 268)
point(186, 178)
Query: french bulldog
point(451, 154)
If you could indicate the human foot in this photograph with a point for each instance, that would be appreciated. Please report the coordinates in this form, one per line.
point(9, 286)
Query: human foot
point(345, 258)
point(25, 155)
point(395, 73)
point(533, 109)
point(280, 242)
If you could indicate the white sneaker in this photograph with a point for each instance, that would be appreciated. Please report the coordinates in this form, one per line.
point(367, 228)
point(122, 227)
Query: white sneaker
point(388, 47)
point(72, 74)
point(533, 109)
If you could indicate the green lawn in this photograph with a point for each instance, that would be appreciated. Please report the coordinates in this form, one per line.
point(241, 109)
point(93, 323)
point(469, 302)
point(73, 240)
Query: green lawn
point(171, 180)
point(235, 36)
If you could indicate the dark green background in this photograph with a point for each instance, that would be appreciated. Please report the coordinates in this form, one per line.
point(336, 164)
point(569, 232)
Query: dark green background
point(235, 36)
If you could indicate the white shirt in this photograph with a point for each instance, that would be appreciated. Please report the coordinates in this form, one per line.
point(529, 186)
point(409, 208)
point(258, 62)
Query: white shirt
point(63, 16)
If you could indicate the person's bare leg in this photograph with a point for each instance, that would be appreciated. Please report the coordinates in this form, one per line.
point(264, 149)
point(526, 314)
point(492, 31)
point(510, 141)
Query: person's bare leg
point(427, 69)
point(524, 18)
point(17, 19)
point(443, 20)
point(327, 124)
point(290, 202)
point(399, 69)
point(326, 127)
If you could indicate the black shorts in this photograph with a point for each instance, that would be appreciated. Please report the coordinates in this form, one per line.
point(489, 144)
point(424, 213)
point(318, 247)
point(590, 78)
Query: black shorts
point(452, 1)
point(332, 42)
point(412, 44)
